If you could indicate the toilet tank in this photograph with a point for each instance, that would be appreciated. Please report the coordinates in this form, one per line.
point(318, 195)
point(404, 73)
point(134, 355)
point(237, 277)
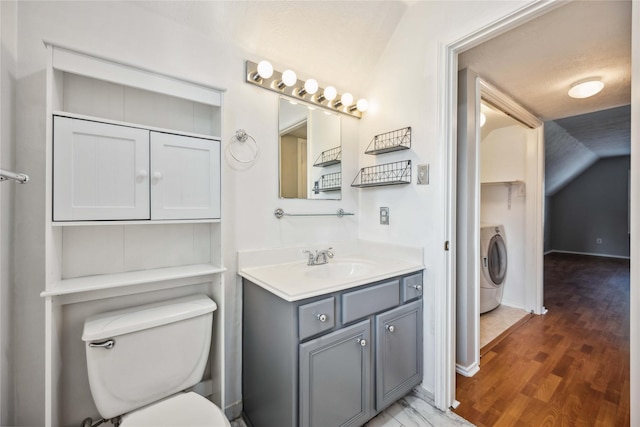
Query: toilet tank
point(139, 355)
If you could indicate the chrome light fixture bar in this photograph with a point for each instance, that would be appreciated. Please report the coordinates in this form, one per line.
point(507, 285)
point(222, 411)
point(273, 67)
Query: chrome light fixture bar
point(286, 83)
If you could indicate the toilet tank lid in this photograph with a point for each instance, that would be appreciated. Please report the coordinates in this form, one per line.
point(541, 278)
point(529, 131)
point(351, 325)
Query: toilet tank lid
point(120, 322)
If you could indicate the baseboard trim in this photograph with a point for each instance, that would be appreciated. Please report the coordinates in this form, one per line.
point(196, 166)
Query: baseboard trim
point(233, 410)
point(424, 394)
point(587, 254)
point(468, 371)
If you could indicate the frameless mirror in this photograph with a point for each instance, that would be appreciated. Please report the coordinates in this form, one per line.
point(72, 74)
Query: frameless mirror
point(310, 152)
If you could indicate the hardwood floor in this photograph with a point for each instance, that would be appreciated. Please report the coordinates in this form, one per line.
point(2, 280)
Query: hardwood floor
point(569, 367)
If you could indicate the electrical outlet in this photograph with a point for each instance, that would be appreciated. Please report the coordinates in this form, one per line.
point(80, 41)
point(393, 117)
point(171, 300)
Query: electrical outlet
point(384, 216)
point(599, 241)
point(423, 174)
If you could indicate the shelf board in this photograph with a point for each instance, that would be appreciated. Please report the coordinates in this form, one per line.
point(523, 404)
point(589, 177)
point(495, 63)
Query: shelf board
point(127, 279)
point(324, 190)
point(327, 163)
point(379, 184)
point(386, 150)
point(136, 222)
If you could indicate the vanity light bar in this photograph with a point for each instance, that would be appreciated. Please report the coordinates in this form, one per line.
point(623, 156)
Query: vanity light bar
point(287, 83)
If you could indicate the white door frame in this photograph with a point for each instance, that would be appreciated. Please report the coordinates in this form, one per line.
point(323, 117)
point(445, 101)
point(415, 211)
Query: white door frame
point(445, 354)
point(468, 217)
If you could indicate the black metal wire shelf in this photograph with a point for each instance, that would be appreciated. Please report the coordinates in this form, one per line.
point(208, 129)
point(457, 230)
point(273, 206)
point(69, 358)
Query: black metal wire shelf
point(387, 142)
point(387, 174)
point(329, 157)
point(328, 182)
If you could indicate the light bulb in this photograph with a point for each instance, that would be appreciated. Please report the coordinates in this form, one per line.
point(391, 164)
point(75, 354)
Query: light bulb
point(311, 86)
point(289, 78)
point(330, 93)
point(346, 99)
point(265, 69)
point(483, 119)
point(362, 105)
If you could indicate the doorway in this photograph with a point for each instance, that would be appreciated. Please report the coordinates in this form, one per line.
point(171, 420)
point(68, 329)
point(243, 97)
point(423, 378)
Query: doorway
point(445, 345)
point(512, 175)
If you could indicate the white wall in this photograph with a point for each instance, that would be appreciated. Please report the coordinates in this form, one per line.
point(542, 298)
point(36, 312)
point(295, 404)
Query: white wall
point(8, 20)
point(403, 91)
point(130, 33)
point(503, 158)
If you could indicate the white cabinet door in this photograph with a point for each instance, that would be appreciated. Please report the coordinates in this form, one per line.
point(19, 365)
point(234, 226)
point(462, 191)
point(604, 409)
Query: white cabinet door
point(185, 177)
point(100, 171)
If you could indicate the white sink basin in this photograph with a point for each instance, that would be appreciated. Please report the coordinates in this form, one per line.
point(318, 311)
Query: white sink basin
point(336, 269)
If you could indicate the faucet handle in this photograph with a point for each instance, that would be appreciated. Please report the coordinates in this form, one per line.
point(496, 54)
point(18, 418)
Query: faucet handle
point(310, 257)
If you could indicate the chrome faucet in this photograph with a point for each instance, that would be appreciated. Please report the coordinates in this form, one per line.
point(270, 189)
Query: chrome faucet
point(319, 257)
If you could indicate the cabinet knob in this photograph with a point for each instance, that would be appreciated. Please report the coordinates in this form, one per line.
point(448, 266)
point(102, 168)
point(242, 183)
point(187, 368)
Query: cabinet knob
point(362, 342)
point(143, 173)
point(157, 175)
point(390, 328)
point(322, 317)
point(417, 287)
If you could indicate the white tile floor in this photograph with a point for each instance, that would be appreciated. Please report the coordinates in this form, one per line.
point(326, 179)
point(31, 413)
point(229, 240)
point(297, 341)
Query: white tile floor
point(497, 321)
point(410, 411)
point(414, 411)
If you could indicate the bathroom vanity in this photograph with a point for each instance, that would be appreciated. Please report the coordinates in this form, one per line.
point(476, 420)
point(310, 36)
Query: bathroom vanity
point(336, 356)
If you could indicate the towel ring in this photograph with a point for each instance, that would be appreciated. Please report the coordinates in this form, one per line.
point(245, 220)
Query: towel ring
point(239, 140)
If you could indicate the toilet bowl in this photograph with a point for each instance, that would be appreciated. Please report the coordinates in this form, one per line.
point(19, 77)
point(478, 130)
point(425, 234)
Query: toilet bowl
point(142, 360)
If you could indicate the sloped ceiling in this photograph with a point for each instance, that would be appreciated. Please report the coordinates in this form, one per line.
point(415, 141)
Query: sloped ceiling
point(536, 64)
point(336, 42)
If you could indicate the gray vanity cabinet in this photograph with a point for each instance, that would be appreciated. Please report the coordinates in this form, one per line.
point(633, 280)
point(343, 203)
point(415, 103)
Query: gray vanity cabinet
point(334, 360)
point(398, 352)
point(335, 378)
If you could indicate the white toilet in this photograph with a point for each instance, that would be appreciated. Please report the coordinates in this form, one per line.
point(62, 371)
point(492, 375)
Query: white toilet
point(141, 359)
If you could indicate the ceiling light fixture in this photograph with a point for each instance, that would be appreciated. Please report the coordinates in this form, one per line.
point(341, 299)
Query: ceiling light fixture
point(286, 83)
point(585, 88)
point(483, 119)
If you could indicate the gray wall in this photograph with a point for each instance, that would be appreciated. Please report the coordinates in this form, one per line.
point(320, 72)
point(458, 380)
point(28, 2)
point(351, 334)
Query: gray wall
point(594, 205)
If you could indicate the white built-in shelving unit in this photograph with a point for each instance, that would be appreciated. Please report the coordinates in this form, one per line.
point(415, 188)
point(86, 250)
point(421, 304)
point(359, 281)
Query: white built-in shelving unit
point(100, 263)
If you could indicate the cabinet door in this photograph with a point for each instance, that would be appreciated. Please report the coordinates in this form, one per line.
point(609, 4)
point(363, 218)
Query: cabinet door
point(335, 378)
point(100, 171)
point(398, 352)
point(185, 177)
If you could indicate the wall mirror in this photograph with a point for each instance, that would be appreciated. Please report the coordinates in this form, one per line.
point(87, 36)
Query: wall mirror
point(310, 152)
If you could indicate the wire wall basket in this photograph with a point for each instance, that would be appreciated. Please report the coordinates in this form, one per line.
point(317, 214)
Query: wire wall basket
point(328, 182)
point(395, 140)
point(386, 174)
point(329, 157)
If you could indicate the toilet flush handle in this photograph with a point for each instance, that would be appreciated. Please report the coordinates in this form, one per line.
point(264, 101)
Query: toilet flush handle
point(108, 344)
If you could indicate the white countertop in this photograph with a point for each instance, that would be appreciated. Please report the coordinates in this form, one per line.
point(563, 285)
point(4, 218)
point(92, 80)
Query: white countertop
point(354, 264)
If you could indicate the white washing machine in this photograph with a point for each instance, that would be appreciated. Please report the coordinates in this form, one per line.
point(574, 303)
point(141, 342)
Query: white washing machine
point(493, 263)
